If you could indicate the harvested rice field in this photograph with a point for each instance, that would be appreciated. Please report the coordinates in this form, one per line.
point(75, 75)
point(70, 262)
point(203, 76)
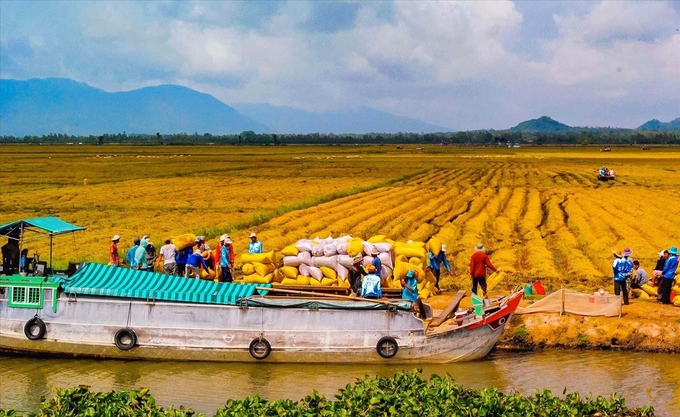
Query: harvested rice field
point(541, 212)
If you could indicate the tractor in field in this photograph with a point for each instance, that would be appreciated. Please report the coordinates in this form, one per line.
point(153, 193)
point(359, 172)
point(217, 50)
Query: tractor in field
point(605, 174)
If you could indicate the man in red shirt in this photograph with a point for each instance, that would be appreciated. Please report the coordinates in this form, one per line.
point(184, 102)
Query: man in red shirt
point(478, 264)
point(113, 251)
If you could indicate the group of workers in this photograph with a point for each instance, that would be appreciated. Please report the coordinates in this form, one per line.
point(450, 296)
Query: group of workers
point(626, 270)
point(187, 261)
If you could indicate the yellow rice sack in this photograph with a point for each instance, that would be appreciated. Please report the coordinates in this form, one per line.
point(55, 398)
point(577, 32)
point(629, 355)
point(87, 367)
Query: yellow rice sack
point(434, 246)
point(263, 258)
point(491, 282)
point(290, 251)
point(209, 274)
point(429, 277)
point(248, 269)
point(258, 279)
point(377, 239)
point(278, 276)
point(638, 293)
point(676, 288)
point(289, 281)
point(424, 294)
point(328, 272)
point(409, 250)
point(184, 241)
point(415, 261)
point(325, 282)
point(264, 269)
point(355, 247)
point(650, 290)
point(289, 272)
point(676, 301)
point(343, 283)
point(302, 280)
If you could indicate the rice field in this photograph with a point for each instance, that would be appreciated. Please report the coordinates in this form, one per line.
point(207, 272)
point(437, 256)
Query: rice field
point(540, 212)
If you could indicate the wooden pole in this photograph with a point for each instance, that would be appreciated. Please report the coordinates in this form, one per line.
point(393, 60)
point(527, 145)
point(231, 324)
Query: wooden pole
point(317, 294)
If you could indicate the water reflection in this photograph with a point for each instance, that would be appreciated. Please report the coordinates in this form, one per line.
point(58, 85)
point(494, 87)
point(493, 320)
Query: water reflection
point(643, 379)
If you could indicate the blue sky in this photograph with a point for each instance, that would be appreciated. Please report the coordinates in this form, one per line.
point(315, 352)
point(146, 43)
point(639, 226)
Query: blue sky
point(462, 65)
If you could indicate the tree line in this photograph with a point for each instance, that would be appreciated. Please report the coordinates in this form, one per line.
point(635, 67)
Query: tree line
point(478, 138)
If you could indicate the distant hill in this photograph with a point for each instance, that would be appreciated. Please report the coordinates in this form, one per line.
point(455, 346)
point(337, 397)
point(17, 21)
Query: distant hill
point(58, 105)
point(361, 120)
point(655, 125)
point(543, 124)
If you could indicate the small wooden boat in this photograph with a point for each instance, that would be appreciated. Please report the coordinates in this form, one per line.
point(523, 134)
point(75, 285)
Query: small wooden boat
point(107, 312)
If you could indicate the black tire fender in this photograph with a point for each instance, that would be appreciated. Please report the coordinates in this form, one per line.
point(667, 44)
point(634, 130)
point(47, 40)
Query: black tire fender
point(125, 339)
point(387, 347)
point(35, 328)
point(259, 348)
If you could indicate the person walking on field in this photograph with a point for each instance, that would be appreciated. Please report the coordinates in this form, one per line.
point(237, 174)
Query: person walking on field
point(225, 260)
point(435, 264)
point(623, 270)
point(130, 255)
point(113, 251)
point(668, 275)
point(478, 264)
point(169, 253)
point(255, 246)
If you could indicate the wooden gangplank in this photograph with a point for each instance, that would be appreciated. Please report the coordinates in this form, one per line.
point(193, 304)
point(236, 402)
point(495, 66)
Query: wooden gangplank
point(450, 309)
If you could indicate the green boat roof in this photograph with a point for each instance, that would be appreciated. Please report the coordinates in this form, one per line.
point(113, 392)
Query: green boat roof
point(98, 279)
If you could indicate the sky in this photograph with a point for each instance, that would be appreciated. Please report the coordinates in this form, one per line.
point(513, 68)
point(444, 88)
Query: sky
point(460, 65)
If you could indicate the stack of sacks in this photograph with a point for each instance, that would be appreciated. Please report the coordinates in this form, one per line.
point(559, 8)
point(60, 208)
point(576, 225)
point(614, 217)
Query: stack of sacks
point(326, 262)
point(258, 268)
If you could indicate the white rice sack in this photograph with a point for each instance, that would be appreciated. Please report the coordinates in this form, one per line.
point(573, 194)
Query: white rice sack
point(385, 259)
point(383, 246)
point(385, 271)
point(315, 273)
point(304, 270)
point(327, 240)
point(305, 257)
point(329, 250)
point(329, 261)
point(341, 247)
point(368, 260)
point(292, 260)
point(368, 248)
point(343, 272)
point(345, 260)
point(317, 250)
point(304, 245)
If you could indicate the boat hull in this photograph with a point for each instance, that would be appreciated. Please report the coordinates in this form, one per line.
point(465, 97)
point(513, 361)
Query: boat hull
point(86, 327)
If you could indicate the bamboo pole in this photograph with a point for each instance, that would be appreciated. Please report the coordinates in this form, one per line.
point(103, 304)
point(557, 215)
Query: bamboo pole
point(317, 294)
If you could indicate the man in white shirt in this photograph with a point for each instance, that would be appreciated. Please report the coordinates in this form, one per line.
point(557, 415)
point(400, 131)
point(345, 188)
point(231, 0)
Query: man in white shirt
point(169, 251)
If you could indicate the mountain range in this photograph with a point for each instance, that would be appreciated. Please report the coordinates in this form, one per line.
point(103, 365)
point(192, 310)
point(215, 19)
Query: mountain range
point(60, 105)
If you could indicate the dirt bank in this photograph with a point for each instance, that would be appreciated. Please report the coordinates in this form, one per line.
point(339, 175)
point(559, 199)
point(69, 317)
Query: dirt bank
point(644, 326)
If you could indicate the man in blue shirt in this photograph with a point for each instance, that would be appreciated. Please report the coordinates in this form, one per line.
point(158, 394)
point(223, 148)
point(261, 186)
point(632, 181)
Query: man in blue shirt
point(370, 284)
point(130, 255)
point(435, 264)
point(377, 263)
point(668, 274)
point(194, 264)
point(623, 269)
point(225, 263)
point(255, 246)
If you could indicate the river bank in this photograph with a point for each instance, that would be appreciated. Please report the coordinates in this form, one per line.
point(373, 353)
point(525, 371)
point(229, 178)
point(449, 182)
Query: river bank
point(644, 326)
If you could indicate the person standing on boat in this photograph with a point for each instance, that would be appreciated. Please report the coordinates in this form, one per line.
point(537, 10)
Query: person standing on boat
point(435, 264)
point(478, 264)
point(623, 270)
point(113, 251)
point(370, 284)
point(376, 261)
point(409, 286)
point(194, 264)
point(130, 255)
point(169, 252)
point(668, 275)
point(141, 263)
point(255, 246)
point(225, 260)
point(356, 273)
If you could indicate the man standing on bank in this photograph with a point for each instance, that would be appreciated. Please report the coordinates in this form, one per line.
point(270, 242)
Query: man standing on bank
point(478, 264)
point(623, 269)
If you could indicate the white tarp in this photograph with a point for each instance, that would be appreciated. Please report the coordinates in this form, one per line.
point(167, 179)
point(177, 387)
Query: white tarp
point(573, 302)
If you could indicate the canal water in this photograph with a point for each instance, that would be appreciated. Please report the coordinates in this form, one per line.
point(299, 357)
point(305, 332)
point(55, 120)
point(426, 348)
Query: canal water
point(642, 378)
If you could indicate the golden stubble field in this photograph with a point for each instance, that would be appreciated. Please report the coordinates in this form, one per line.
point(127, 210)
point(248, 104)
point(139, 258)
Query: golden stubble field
point(540, 211)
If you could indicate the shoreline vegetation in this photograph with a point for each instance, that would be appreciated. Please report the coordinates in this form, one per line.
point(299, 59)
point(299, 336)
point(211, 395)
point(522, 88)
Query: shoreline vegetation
point(405, 394)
